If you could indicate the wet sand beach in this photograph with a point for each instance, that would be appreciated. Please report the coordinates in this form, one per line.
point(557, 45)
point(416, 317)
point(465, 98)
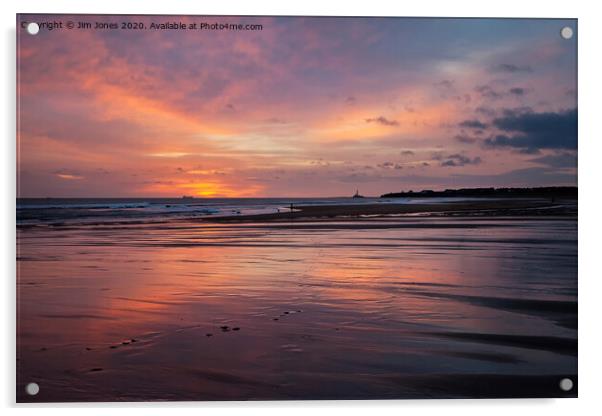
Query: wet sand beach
point(472, 300)
point(499, 207)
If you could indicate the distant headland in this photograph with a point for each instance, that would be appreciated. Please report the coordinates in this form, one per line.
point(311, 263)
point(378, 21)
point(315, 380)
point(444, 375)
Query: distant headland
point(541, 192)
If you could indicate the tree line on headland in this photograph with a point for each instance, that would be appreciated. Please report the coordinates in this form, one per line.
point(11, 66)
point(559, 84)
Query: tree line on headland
point(540, 192)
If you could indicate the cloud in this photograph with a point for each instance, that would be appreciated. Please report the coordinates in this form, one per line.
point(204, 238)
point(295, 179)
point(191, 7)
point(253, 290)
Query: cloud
point(511, 68)
point(464, 139)
point(390, 165)
point(169, 154)
point(530, 131)
point(486, 111)
point(557, 160)
point(445, 84)
point(382, 120)
point(242, 105)
point(487, 92)
point(517, 111)
point(275, 120)
point(473, 124)
point(459, 160)
point(517, 91)
point(539, 176)
point(455, 160)
point(68, 175)
point(319, 162)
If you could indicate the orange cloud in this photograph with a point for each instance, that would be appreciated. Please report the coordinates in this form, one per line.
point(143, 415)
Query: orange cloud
point(68, 176)
point(209, 188)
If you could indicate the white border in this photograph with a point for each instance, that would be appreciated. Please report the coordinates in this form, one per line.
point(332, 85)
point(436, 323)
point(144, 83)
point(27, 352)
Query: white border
point(590, 197)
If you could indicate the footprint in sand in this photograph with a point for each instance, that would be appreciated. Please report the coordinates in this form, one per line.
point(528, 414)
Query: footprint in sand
point(225, 328)
point(285, 313)
point(126, 342)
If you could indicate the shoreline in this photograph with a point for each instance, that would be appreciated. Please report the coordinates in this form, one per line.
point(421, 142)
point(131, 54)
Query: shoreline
point(504, 207)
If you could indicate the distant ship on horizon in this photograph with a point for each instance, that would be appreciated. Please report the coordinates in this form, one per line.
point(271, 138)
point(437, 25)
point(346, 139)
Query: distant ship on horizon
point(357, 194)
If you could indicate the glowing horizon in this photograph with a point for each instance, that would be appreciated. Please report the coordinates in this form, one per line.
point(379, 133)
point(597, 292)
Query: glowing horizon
point(305, 107)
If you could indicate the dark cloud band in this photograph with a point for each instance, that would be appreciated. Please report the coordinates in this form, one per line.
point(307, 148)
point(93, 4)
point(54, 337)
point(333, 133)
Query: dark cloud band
point(532, 131)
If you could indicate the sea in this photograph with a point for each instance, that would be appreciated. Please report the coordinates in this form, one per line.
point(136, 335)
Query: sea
point(32, 211)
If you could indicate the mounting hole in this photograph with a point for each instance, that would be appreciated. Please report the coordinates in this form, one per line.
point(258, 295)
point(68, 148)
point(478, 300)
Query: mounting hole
point(566, 32)
point(33, 28)
point(566, 384)
point(32, 389)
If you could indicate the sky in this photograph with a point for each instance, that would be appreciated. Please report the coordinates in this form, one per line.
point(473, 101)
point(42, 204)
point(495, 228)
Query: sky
point(303, 107)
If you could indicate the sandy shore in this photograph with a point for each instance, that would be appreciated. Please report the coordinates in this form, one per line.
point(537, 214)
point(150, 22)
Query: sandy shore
point(465, 305)
point(500, 207)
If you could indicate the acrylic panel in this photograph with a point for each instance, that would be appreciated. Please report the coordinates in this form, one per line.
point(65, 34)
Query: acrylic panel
point(295, 208)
